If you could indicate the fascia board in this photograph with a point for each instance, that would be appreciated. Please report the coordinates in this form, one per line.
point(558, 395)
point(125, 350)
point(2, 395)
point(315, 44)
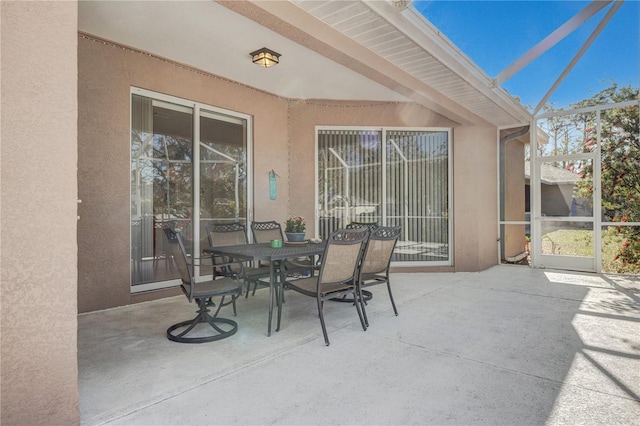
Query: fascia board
point(416, 27)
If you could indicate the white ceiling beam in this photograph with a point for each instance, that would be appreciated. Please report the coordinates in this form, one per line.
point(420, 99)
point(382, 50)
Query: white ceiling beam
point(576, 58)
point(551, 40)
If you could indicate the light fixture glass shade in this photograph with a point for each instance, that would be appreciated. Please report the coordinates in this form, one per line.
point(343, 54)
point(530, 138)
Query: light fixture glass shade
point(265, 57)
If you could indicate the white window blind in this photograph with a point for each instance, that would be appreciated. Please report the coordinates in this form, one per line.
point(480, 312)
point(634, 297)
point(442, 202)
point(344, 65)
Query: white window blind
point(388, 177)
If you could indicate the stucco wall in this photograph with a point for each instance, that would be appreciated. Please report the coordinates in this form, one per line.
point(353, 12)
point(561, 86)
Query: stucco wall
point(106, 73)
point(474, 158)
point(39, 213)
point(513, 187)
point(306, 115)
point(475, 197)
point(284, 137)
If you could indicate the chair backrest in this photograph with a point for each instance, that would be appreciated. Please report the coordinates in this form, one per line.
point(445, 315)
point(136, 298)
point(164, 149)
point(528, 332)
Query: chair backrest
point(382, 242)
point(358, 225)
point(264, 232)
point(226, 234)
point(178, 254)
point(342, 256)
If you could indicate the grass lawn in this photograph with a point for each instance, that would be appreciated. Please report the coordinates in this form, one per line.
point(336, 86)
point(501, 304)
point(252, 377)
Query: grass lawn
point(572, 242)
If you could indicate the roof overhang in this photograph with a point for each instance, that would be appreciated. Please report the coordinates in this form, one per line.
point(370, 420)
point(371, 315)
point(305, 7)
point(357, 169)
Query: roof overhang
point(334, 50)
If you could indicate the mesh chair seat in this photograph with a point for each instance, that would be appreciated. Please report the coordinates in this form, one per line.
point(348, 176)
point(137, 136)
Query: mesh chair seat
point(213, 288)
point(364, 278)
point(259, 272)
point(309, 287)
point(231, 234)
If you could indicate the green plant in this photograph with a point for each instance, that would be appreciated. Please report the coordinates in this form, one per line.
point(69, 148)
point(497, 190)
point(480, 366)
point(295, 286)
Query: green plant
point(295, 224)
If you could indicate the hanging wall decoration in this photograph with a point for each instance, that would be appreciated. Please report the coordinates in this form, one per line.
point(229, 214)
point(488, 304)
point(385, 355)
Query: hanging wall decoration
point(273, 185)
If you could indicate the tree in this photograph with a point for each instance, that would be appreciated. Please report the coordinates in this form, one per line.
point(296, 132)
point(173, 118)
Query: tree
point(620, 156)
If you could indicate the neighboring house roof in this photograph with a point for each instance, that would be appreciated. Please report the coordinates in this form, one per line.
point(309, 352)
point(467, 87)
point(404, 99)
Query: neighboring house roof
point(336, 50)
point(551, 175)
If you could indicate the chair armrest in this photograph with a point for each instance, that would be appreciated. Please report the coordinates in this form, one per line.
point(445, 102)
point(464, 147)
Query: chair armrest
point(225, 267)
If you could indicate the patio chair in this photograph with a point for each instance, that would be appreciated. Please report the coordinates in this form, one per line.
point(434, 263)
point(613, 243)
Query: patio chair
point(376, 263)
point(202, 293)
point(231, 234)
point(358, 225)
point(264, 232)
point(365, 295)
point(338, 272)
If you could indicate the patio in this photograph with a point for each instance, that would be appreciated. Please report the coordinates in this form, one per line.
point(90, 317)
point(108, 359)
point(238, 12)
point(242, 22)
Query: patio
point(509, 345)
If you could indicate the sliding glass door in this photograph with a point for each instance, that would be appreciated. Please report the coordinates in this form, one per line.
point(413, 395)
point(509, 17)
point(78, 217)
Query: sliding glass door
point(223, 170)
point(165, 179)
point(389, 177)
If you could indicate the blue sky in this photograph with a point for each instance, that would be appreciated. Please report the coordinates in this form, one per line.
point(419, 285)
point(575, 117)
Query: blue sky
point(494, 34)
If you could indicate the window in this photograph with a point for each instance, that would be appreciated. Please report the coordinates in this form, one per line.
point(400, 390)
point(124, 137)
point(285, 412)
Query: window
point(390, 177)
point(165, 179)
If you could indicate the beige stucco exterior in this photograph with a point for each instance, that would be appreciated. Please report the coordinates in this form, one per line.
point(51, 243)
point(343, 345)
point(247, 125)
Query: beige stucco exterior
point(513, 188)
point(65, 135)
point(284, 141)
point(106, 74)
point(39, 203)
point(475, 197)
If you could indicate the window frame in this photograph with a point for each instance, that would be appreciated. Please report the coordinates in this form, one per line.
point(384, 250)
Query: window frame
point(384, 130)
point(197, 107)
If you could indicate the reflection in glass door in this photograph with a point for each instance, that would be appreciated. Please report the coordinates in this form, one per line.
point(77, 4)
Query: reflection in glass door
point(161, 184)
point(389, 177)
point(164, 175)
point(223, 171)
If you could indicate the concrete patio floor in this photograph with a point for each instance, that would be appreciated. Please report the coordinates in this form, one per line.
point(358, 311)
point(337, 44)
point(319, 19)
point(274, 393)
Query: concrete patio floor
point(506, 346)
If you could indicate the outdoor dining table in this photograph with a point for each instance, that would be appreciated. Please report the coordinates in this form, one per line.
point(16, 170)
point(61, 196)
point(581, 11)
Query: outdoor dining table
point(264, 252)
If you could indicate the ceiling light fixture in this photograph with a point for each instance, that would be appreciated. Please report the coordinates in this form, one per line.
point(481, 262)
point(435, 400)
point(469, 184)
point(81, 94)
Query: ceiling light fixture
point(265, 57)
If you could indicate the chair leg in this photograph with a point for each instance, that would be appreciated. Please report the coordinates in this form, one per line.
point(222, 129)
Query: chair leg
point(360, 311)
point(362, 304)
point(233, 301)
point(220, 305)
point(248, 285)
point(324, 328)
point(391, 297)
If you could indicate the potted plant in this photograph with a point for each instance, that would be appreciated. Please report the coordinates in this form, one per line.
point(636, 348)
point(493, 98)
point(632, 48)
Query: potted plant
point(295, 228)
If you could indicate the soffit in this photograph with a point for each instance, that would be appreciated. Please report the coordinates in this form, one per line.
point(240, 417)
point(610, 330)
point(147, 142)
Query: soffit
point(209, 37)
point(403, 37)
point(333, 50)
